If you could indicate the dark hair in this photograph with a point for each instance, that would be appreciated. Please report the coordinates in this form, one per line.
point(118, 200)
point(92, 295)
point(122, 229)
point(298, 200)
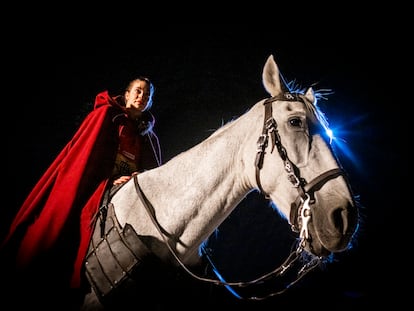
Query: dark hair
point(151, 89)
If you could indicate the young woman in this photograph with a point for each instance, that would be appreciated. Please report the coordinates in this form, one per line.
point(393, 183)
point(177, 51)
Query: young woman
point(53, 227)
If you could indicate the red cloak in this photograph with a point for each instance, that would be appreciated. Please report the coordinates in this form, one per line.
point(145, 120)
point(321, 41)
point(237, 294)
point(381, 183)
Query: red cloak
point(53, 226)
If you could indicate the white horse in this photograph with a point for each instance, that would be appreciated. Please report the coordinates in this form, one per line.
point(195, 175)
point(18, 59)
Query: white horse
point(278, 147)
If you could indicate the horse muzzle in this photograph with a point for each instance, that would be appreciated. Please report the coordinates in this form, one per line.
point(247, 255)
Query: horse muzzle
point(332, 231)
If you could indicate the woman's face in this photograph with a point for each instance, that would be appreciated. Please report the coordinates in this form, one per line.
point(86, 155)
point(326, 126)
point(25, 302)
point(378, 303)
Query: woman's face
point(137, 95)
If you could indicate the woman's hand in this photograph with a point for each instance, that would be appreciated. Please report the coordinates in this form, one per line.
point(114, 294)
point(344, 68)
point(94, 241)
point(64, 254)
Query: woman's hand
point(123, 179)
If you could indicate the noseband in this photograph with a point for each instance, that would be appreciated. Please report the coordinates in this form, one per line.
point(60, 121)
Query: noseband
point(300, 212)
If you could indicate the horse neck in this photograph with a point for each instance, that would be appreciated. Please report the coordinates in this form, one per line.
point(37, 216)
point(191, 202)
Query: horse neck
point(195, 191)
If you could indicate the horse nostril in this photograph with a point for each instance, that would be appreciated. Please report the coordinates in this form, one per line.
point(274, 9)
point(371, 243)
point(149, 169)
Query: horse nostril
point(342, 218)
point(339, 218)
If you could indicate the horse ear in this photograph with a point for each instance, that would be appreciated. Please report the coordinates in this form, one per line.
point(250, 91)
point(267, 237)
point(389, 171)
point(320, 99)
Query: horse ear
point(310, 95)
point(272, 80)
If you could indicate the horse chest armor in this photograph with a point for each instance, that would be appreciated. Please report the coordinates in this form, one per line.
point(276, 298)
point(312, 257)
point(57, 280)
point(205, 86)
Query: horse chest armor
point(115, 256)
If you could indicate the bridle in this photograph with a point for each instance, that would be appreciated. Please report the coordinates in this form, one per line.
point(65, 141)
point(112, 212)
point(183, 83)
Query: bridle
point(300, 209)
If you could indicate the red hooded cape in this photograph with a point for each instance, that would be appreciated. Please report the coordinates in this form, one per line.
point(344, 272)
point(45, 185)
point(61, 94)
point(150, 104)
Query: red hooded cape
point(53, 226)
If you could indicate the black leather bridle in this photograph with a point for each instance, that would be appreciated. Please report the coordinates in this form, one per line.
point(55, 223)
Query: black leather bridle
point(298, 220)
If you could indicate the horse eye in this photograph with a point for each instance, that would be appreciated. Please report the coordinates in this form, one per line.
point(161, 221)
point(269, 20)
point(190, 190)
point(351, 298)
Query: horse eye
point(295, 122)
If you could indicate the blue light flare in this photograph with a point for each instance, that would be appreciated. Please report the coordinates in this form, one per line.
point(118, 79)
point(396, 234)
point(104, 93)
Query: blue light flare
point(341, 133)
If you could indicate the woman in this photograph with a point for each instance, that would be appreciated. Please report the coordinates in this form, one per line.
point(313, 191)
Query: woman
point(53, 227)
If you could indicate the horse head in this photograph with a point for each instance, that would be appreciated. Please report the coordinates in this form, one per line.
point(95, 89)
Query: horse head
point(317, 199)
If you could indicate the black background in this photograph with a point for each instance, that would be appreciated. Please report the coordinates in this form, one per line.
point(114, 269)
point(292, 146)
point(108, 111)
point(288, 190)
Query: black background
point(202, 81)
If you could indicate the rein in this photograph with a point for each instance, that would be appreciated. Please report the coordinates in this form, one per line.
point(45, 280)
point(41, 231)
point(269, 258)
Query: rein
point(300, 208)
point(279, 271)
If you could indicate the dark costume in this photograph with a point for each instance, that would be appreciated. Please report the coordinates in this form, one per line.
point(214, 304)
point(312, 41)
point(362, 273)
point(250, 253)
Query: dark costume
point(50, 234)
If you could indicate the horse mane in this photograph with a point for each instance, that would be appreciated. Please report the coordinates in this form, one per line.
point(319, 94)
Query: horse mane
point(313, 108)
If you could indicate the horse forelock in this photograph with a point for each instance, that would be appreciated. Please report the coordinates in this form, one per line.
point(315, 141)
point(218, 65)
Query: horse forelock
point(316, 115)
